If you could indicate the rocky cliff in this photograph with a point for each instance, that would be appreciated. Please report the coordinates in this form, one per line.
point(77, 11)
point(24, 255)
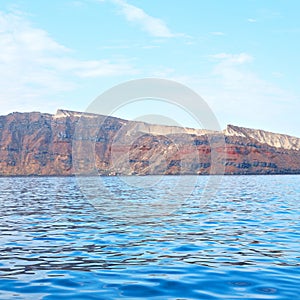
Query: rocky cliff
point(274, 140)
point(71, 142)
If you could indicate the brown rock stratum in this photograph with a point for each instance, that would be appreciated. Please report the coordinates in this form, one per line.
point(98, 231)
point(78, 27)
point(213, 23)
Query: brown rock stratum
point(69, 143)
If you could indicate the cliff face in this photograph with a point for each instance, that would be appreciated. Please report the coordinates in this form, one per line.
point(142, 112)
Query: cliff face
point(275, 140)
point(35, 143)
point(69, 142)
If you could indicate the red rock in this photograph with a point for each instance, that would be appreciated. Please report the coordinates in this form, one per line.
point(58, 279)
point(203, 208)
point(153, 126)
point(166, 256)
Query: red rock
point(70, 142)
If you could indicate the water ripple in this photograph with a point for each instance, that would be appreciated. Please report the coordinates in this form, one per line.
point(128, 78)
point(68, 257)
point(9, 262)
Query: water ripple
point(244, 244)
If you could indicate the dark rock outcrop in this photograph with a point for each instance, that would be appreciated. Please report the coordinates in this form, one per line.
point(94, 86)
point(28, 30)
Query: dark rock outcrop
point(70, 142)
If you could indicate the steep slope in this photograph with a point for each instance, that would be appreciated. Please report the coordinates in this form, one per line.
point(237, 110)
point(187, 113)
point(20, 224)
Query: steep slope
point(72, 142)
point(265, 137)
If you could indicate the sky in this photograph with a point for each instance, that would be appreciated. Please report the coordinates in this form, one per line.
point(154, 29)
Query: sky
point(241, 57)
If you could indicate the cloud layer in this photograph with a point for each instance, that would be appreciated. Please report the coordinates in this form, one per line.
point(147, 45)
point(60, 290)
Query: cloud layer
point(153, 26)
point(33, 65)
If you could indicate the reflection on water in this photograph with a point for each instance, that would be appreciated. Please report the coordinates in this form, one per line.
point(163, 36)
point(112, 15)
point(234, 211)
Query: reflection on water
point(244, 244)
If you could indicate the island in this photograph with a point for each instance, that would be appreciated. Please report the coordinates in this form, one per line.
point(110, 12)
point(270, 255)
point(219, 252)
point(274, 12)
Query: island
point(69, 143)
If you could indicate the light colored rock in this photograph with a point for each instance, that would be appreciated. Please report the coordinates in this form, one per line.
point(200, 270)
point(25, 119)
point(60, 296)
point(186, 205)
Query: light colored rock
point(265, 137)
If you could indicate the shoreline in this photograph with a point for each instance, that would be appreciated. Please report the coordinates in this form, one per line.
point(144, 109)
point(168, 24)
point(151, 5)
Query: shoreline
point(149, 175)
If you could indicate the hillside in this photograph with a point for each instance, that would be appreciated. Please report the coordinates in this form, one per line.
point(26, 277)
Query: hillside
point(72, 142)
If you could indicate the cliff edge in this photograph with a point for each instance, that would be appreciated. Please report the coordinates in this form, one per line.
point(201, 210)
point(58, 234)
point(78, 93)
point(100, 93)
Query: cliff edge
point(43, 144)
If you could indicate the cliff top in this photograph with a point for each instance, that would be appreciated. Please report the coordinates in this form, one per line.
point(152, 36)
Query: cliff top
point(277, 140)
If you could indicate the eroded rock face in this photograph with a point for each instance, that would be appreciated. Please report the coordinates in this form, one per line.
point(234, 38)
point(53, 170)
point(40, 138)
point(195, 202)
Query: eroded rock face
point(35, 144)
point(272, 139)
point(42, 144)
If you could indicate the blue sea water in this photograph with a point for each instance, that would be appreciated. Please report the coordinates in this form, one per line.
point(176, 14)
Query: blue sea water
point(244, 243)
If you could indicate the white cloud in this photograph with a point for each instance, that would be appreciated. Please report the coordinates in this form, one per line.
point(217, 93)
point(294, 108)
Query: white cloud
point(226, 58)
point(129, 46)
point(153, 26)
point(77, 4)
point(219, 33)
point(251, 20)
point(239, 96)
point(115, 47)
point(151, 47)
point(88, 68)
point(33, 66)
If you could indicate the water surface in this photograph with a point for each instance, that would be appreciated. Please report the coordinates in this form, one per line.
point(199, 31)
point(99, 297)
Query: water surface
point(243, 244)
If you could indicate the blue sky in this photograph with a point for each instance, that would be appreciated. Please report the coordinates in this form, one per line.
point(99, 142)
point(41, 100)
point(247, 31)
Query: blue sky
point(242, 57)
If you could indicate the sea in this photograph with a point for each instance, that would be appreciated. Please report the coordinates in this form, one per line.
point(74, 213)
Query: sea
point(149, 237)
